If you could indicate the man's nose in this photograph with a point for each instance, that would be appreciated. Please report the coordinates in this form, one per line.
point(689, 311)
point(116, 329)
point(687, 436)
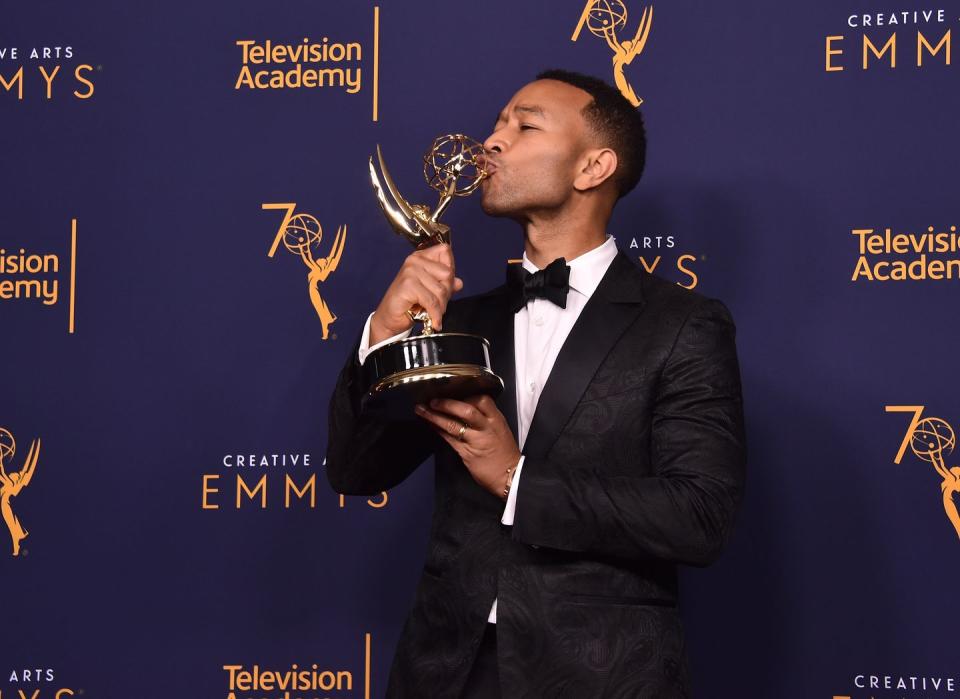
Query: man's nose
point(494, 143)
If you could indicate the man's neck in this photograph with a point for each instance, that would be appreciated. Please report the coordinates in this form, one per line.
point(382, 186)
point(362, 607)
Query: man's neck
point(545, 243)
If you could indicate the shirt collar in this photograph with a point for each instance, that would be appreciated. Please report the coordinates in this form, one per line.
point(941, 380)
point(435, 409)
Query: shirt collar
point(588, 269)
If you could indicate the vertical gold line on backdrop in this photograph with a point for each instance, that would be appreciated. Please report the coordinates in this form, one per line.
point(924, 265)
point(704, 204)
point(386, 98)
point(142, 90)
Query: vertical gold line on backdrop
point(583, 18)
point(366, 687)
point(376, 61)
point(73, 270)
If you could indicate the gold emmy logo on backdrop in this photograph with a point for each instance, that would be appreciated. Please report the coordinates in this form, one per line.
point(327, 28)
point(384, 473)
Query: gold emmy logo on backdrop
point(930, 439)
point(301, 235)
point(603, 18)
point(11, 484)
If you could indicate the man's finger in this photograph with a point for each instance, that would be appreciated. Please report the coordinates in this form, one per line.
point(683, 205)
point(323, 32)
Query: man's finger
point(484, 403)
point(437, 270)
point(460, 409)
point(449, 424)
point(437, 292)
point(429, 301)
point(443, 254)
point(455, 443)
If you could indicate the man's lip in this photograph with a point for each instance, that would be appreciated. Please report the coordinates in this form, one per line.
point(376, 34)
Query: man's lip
point(487, 164)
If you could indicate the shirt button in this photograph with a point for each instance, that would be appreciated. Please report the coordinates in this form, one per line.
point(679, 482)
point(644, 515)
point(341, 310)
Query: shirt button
point(532, 386)
point(538, 321)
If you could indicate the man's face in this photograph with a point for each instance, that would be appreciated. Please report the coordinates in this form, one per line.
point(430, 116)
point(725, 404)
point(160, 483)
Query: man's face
point(535, 150)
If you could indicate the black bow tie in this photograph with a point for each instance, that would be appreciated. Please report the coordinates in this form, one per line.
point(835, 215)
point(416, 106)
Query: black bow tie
point(551, 283)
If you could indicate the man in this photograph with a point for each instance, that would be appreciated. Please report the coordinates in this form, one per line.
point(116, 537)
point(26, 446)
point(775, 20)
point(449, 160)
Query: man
point(615, 452)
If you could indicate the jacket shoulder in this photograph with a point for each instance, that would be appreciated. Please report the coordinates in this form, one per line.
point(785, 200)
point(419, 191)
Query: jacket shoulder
point(672, 298)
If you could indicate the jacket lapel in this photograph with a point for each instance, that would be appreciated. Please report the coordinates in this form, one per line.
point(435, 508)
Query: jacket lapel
point(611, 309)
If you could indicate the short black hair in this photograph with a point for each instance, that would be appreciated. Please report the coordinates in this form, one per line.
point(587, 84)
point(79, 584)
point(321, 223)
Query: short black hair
point(615, 120)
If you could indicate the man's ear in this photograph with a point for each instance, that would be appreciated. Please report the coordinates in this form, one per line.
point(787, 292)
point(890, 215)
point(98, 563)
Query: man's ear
point(599, 165)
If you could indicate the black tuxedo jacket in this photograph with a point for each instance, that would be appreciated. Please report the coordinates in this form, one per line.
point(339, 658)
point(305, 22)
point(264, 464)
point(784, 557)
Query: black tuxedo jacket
point(634, 463)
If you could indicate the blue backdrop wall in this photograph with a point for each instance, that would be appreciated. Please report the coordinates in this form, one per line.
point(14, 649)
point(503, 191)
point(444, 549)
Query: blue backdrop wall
point(164, 376)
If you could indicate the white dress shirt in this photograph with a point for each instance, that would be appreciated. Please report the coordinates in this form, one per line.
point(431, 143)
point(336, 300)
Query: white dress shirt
point(539, 330)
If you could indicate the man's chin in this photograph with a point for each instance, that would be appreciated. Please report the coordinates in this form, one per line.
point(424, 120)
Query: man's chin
point(493, 207)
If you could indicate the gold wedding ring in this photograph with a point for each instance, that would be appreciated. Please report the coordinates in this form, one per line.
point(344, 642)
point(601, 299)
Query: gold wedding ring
point(463, 428)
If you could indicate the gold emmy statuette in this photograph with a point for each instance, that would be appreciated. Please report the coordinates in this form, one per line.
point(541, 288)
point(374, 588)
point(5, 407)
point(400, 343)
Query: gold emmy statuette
point(429, 365)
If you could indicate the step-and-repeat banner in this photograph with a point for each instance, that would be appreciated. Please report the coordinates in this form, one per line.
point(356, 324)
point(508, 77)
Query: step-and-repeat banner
point(189, 246)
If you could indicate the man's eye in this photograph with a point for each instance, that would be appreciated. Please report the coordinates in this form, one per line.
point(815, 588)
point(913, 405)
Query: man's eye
point(527, 127)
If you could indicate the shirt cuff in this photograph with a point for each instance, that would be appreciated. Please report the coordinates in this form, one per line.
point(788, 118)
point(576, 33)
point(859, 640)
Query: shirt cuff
point(512, 496)
point(365, 348)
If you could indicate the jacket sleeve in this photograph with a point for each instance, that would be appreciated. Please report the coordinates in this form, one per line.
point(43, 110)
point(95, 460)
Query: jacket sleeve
point(684, 511)
point(366, 456)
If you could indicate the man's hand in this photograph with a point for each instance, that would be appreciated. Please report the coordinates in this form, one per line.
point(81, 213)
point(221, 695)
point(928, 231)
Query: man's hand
point(487, 446)
point(426, 278)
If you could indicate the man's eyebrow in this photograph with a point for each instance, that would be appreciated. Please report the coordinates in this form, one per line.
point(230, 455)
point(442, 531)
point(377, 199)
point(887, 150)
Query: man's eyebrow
point(524, 108)
point(531, 109)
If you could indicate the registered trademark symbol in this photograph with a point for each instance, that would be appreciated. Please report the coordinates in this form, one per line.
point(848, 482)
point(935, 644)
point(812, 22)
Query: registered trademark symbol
point(703, 257)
